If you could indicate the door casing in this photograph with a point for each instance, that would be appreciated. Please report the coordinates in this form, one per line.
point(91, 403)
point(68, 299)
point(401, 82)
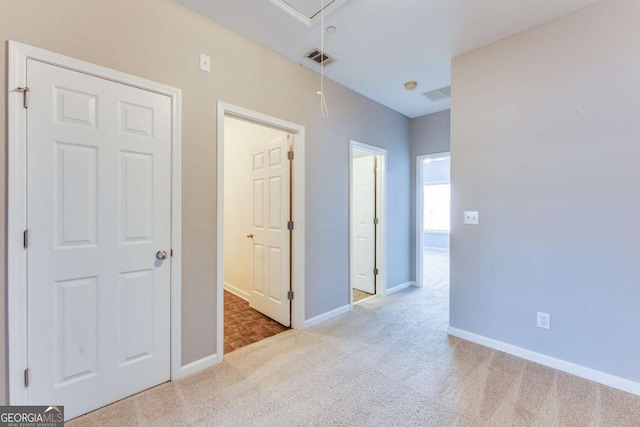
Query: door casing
point(18, 54)
point(381, 208)
point(297, 205)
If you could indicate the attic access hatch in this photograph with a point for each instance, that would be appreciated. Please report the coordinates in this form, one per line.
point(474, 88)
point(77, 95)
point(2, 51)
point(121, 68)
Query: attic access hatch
point(308, 11)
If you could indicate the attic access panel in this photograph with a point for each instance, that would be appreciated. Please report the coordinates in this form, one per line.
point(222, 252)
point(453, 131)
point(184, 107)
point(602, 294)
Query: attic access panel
point(308, 11)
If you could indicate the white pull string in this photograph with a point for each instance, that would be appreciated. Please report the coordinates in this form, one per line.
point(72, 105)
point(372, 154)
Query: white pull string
point(323, 102)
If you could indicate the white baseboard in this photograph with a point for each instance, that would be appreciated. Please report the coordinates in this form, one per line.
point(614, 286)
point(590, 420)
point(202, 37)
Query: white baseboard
point(552, 362)
point(326, 316)
point(400, 287)
point(199, 365)
point(236, 291)
point(433, 248)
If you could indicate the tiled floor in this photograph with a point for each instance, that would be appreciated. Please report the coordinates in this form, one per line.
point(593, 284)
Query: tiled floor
point(359, 295)
point(244, 325)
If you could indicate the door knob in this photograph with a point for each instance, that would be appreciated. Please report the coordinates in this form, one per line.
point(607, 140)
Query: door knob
point(249, 236)
point(161, 255)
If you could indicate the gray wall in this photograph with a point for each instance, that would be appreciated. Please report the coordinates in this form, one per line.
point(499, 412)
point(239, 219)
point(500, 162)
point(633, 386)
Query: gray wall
point(546, 145)
point(161, 40)
point(429, 134)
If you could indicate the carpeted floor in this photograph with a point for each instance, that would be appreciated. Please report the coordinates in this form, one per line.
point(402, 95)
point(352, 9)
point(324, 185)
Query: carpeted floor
point(387, 363)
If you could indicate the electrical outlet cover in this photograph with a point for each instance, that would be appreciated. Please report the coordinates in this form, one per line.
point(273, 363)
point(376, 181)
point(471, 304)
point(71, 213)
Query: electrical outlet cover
point(544, 320)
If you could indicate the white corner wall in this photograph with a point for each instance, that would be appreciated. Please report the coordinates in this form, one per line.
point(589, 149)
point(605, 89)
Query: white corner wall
point(546, 146)
point(239, 138)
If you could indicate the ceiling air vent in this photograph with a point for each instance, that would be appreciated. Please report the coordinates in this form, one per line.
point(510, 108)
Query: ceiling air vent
point(319, 57)
point(439, 94)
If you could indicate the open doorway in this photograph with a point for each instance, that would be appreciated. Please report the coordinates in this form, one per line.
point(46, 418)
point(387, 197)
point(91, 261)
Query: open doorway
point(260, 213)
point(433, 219)
point(257, 245)
point(367, 219)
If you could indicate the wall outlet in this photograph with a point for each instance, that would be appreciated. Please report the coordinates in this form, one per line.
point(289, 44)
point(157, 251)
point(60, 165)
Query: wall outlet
point(471, 217)
point(205, 62)
point(544, 320)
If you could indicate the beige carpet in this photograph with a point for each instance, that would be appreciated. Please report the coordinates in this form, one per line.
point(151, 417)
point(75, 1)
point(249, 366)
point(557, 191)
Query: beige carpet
point(388, 363)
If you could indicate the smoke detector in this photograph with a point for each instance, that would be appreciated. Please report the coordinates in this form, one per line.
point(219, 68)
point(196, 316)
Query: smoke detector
point(320, 57)
point(439, 94)
point(308, 11)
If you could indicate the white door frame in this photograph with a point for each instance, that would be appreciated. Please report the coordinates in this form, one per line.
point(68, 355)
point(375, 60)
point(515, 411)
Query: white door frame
point(297, 180)
point(381, 189)
point(18, 54)
point(420, 213)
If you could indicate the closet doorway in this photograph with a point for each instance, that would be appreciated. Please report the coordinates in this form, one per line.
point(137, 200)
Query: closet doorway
point(367, 221)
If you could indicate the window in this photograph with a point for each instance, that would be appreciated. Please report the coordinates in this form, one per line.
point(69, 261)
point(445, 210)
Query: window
point(437, 205)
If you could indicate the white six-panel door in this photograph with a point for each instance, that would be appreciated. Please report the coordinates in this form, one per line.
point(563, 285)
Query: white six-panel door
point(99, 196)
point(271, 237)
point(363, 233)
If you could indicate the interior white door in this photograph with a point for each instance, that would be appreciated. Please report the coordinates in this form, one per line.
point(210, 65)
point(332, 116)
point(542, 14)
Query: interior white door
point(364, 228)
point(271, 236)
point(98, 212)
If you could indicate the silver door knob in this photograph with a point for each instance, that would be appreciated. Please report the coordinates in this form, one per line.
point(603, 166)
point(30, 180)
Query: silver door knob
point(161, 255)
point(249, 236)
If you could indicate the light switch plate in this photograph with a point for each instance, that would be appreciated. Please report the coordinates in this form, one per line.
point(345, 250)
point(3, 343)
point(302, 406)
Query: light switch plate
point(205, 62)
point(471, 217)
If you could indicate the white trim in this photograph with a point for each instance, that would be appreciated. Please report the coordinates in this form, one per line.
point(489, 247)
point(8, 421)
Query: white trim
point(447, 232)
point(419, 183)
point(18, 54)
point(400, 287)
point(236, 291)
point(16, 219)
point(552, 362)
point(199, 365)
point(176, 236)
point(432, 248)
point(381, 244)
point(298, 205)
point(326, 316)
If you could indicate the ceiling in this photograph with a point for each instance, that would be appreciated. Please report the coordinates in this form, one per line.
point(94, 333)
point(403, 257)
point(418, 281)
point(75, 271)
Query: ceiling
point(381, 44)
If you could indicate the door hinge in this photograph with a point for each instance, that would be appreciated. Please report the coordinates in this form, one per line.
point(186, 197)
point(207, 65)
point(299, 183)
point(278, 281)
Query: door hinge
point(290, 225)
point(290, 154)
point(375, 271)
point(376, 221)
point(290, 295)
point(26, 378)
point(25, 94)
point(25, 239)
